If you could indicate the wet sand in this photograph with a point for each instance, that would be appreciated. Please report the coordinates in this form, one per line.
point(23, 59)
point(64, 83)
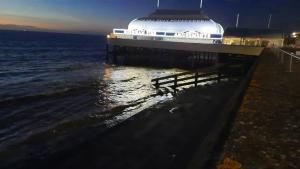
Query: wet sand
point(266, 130)
point(164, 136)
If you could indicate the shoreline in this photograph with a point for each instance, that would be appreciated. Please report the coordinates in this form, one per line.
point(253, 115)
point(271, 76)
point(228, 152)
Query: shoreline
point(174, 126)
point(163, 135)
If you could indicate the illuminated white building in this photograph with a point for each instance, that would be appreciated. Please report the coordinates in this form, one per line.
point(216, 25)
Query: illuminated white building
point(190, 26)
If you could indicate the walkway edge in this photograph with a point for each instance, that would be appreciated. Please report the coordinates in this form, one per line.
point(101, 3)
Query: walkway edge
point(206, 150)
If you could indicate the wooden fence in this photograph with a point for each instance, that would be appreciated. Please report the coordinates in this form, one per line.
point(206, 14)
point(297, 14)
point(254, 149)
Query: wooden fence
point(188, 78)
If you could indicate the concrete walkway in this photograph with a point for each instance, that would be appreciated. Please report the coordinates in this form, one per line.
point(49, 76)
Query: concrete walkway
point(266, 130)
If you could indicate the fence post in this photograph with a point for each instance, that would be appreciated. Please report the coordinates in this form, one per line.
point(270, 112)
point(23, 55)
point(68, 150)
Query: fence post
point(196, 79)
point(156, 84)
point(175, 83)
point(291, 63)
point(219, 76)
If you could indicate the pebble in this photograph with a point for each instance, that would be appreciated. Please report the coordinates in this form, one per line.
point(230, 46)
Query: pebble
point(243, 137)
point(276, 164)
point(293, 155)
point(173, 109)
point(268, 156)
point(283, 157)
point(236, 140)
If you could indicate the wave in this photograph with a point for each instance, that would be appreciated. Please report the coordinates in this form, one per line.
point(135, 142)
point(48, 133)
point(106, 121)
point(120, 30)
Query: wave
point(128, 80)
point(62, 132)
point(47, 95)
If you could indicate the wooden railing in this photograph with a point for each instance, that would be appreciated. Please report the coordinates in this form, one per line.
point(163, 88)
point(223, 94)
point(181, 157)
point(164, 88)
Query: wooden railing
point(188, 78)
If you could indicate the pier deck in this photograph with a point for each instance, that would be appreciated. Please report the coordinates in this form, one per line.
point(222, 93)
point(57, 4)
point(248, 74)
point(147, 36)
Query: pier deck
point(266, 131)
point(194, 47)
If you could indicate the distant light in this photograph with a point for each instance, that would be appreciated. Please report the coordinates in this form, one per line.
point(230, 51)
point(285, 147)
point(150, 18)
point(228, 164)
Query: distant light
point(108, 36)
point(294, 34)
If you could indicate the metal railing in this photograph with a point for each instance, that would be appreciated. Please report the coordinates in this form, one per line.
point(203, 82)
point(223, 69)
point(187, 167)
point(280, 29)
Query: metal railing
point(287, 58)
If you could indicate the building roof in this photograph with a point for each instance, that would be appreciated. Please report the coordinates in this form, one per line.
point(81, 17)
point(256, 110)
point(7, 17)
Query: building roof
point(176, 15)
point(254, 33)
point(176, 21)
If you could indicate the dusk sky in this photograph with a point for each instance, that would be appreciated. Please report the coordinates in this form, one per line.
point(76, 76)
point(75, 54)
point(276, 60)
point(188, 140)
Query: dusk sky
point(100, 16)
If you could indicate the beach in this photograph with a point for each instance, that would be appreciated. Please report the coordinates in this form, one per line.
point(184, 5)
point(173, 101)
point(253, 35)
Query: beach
point(163, 136)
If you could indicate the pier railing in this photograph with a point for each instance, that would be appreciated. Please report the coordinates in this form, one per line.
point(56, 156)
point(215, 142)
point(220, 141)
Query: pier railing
point(194, 78)
point(288, 59)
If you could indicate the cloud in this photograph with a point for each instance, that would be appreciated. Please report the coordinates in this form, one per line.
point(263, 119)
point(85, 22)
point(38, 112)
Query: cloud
point(19, 27)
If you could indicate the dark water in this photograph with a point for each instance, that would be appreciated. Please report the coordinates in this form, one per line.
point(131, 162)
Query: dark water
point(56, 90)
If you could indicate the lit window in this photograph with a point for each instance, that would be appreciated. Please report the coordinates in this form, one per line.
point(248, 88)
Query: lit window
point(119, 31)
point(170, 34)
point(160, 33)
point(215, 36)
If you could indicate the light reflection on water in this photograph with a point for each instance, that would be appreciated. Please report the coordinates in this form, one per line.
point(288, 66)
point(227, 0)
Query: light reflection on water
point(130, 88)
point(118, 94)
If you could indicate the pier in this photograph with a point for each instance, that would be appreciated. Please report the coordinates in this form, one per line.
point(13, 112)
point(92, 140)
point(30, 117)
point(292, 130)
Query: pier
point(186, 39)
point(174, 54)
point(192, 47)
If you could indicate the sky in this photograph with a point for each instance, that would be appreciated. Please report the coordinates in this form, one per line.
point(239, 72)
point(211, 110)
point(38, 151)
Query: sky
point(101, 16)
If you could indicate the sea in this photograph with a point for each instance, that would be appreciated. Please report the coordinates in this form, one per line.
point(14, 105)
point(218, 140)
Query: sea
point(56, 91)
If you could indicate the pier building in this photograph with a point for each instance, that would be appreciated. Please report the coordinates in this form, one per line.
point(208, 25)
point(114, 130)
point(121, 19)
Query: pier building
point(254, 37)
point(173, 38)
point(296, 36)
point(188, 26)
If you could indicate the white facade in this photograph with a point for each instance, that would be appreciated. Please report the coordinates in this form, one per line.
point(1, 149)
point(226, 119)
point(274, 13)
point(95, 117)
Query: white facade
point(178, 27)
point(192, 31)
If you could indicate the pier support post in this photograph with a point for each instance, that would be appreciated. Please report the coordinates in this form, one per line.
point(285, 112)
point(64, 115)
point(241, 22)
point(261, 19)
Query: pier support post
point(107, 50)
point(291, 63)
point(219, 76)
point(175, 84)
point(157, 84)
point(196, 79)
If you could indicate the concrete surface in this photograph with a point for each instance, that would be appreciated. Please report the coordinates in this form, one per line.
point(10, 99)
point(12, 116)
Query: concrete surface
point(266, 130)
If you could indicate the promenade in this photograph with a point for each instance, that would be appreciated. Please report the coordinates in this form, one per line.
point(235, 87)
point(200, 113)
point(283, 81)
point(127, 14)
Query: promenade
point(266, 130)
